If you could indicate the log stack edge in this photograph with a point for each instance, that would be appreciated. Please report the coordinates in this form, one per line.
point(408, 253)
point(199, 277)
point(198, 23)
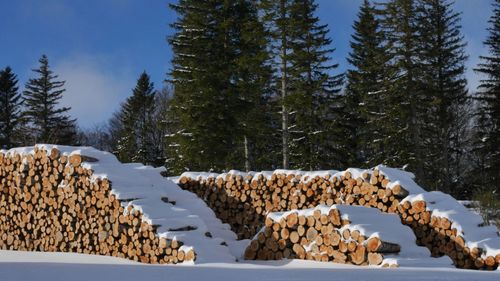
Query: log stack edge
point(50, 202)
point(244, 200)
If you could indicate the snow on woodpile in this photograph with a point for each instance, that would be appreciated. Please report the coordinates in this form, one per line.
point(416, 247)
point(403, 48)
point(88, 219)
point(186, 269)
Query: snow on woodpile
point(172, 215)
point(468, 225)
point(438, 221)
point(338, 233)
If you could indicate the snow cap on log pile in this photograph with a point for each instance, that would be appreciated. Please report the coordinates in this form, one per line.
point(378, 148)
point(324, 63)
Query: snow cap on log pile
point(188, 219)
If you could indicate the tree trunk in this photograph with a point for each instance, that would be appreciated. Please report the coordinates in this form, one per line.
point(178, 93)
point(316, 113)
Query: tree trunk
point(284, 109)
point(247, 160)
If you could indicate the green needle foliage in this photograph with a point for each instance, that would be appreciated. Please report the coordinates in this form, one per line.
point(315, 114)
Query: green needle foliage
point(47, 121)
point(10, 108)
point(220, 77)
point(136, 118)
point(487, 127)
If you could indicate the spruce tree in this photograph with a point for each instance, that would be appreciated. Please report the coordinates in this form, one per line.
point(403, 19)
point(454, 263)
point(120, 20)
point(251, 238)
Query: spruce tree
point(161, 125)
point(442, 67)
point(487, 136)
point(126, 145)
point(48, 122)
point(367, 88)
point(255, 138)
point(317, 138)
point(404, 102)
point(218, 75)
point(277, 19)
point(202, 101)
point(135, 142)
point(115, 127)
point(301, 61)
point(10, 105)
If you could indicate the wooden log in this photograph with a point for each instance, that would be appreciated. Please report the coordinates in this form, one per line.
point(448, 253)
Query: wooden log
point(351, 246)
point(299, 251)
point(284, 233)
point(418, 206)
point(399, 191)
point(311, 234)
point(359, 255)
point(334, 238)
point(294, 237)
point(339, 257)
point(190, 255)
point(478, 262)
point(490, 261)
point(374, 244)
point(292, 220)
point(334, 217)
point(75, 160)
point(375, 258)
point(346, 234)
point(342, 246)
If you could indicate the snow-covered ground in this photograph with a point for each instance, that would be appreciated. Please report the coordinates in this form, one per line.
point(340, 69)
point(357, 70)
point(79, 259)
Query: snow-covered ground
point(16, 265)
point(149, 191)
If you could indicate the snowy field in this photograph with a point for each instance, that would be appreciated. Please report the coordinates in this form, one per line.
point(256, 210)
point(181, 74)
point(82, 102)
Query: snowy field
point(78, 267)
point(147, 189)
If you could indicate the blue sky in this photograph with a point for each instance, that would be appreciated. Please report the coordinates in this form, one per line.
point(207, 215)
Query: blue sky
point(101, 46)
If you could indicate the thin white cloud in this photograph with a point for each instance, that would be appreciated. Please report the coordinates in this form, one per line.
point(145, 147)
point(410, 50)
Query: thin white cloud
point(48, 11)
point(94, 88)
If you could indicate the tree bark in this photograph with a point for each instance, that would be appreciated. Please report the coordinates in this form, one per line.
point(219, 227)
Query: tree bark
point(284, 70)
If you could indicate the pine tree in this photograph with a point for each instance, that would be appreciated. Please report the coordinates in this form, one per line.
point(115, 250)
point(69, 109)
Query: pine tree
point(367, 88)
point(487, 136)
point(442, 67)
point(317, 135)
point(135, 143)
point(49, 123)
point(10, 104)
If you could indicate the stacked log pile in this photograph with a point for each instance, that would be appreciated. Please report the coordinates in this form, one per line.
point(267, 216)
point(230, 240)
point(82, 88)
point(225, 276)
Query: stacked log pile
point(319, 236)
point(50, 202)
point(244, 200)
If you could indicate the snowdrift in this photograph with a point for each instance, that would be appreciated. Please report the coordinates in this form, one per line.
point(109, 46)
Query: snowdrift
point(439, 222)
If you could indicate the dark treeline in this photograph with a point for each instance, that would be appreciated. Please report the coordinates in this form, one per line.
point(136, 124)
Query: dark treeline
point(253, 87)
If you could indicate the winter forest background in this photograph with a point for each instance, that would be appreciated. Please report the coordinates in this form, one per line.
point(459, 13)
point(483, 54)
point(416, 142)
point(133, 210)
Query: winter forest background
point(253, 86)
